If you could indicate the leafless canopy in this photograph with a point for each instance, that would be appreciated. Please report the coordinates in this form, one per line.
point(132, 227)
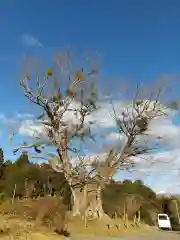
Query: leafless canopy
point(64, 110)
point(64, 118)
point(132, 123)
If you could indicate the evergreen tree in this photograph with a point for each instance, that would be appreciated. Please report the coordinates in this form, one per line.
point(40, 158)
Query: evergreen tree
point(1, 157)
point(1, 162)
point(23, 160)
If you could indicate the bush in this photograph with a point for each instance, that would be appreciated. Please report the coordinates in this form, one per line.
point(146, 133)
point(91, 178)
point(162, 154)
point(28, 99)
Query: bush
point(46, 211)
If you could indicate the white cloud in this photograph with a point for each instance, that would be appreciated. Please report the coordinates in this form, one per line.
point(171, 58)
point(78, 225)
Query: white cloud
point(102, 119)
point(113, 136)
point(104, 127)
point(160, 171)
point(169, 132)
point(31, 41)
point(28, 128)
point(11, 124)
point(162, 175)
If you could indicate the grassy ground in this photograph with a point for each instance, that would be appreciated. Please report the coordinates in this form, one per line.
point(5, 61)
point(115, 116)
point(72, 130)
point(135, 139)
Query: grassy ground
point(13, 228)
point(17, 221)
point(19, 229)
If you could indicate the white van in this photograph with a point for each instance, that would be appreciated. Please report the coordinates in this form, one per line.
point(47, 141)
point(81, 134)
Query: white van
point(164, 221)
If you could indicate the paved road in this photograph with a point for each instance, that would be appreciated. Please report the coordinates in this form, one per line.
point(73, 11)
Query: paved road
point(156, 235)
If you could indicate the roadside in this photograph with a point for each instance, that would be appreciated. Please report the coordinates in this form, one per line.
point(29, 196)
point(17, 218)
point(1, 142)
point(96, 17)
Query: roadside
point(153, 235)
point(14, 228)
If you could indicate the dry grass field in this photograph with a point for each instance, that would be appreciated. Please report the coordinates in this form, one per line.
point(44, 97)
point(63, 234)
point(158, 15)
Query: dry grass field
point(32, 220)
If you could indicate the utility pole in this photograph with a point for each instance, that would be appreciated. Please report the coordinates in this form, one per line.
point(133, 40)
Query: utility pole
point(177, 211)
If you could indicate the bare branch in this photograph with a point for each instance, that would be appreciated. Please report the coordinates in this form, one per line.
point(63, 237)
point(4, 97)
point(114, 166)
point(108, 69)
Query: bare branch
point(64, 111)
point(132, 123)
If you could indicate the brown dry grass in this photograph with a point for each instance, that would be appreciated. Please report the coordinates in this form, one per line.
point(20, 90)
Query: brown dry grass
point(34, 219)
point(99, 228)
point(13, 228)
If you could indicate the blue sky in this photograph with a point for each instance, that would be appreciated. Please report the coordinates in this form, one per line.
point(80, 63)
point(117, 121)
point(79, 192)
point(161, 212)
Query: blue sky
point(135, 39)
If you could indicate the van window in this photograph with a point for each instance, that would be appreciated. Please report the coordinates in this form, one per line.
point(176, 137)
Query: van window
point(162, 217)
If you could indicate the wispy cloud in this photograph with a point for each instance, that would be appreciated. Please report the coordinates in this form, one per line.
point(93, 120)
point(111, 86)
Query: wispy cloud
point(31, 41)
point(24, 116)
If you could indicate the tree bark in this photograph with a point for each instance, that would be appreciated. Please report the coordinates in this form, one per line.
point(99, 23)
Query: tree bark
point(79, 200)
point(95, 208)
point(88, 202)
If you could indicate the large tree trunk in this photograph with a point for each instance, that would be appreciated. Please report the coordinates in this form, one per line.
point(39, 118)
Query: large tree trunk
point(79, 200)
point(95, 208)
point(87, 202)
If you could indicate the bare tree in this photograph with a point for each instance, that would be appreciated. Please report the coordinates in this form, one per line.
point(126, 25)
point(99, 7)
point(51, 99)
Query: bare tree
point(132, 123)
point(64, 118)
point(64, 113)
